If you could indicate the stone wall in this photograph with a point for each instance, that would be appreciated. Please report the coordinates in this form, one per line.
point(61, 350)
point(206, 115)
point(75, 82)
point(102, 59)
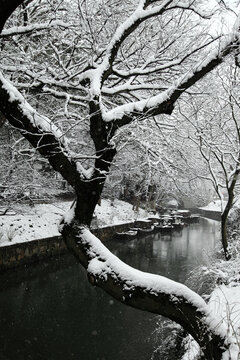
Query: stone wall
point(108, 232)
point(33, 251)
point(210, 214)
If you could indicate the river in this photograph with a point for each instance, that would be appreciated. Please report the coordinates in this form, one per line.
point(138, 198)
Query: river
point(49, 311)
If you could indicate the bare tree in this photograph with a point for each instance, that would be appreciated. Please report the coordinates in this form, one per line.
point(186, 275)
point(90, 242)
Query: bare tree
point(215, 131)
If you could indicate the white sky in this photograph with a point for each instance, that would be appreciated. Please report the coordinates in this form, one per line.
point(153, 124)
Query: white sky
point(223, 21)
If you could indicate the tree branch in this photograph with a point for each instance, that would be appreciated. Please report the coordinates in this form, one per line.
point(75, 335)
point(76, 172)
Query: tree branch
point(38, 130)
point(24, 30)
point(163, 103)
point(144, 291)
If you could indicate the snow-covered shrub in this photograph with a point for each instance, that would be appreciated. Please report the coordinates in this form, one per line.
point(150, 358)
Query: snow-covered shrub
point(170, 336)
point(234, 224)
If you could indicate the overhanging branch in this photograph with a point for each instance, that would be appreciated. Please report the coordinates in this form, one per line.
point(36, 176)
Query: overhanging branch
point(38, 130)
point(163, 103)
point(144, 291)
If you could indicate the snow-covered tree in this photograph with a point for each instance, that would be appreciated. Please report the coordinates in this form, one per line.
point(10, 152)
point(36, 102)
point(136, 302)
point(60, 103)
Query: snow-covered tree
point(119, 64)
point(146, 163)
point(215, 131)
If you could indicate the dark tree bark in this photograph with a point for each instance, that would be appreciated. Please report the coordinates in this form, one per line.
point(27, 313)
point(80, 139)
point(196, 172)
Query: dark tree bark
point(225, 213)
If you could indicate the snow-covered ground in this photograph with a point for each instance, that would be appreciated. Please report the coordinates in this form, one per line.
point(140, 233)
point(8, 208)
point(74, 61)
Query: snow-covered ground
point(224, 301)
point(224, 305)
point(41, 221)
point(215, 205)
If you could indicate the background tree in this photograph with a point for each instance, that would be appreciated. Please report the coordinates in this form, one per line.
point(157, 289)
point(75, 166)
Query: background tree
point(215, 132)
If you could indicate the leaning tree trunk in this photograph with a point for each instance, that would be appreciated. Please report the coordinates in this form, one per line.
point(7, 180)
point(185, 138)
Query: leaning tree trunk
point(133, 287)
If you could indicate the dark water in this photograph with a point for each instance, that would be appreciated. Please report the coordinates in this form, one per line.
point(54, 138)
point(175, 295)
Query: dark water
point(50, 312)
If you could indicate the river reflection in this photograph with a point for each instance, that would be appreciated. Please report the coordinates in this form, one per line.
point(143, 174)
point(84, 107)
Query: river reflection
point(172, 255)
point(49, 311)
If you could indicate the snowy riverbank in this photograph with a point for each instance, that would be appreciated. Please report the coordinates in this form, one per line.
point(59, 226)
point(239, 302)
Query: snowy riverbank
point(25, 223)
point(216, 205)
point(224, 301)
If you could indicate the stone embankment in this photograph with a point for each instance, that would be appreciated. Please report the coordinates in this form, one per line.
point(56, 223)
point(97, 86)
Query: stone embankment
point(32, 251)
point(210, 214)
point(35, 250)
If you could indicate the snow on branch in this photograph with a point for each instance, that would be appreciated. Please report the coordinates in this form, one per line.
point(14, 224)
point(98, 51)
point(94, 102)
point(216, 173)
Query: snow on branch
point(39, 130)
point(138, 16)
point(40, 79)
point(206, 14)
point(154, 105)
point(142, 13)
point(145, 291)
point(103, 264)
point(72, 99)
point(128, 87)
point(21, 30)
point(122, 32)
point(40, 121)
point(145, 70)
